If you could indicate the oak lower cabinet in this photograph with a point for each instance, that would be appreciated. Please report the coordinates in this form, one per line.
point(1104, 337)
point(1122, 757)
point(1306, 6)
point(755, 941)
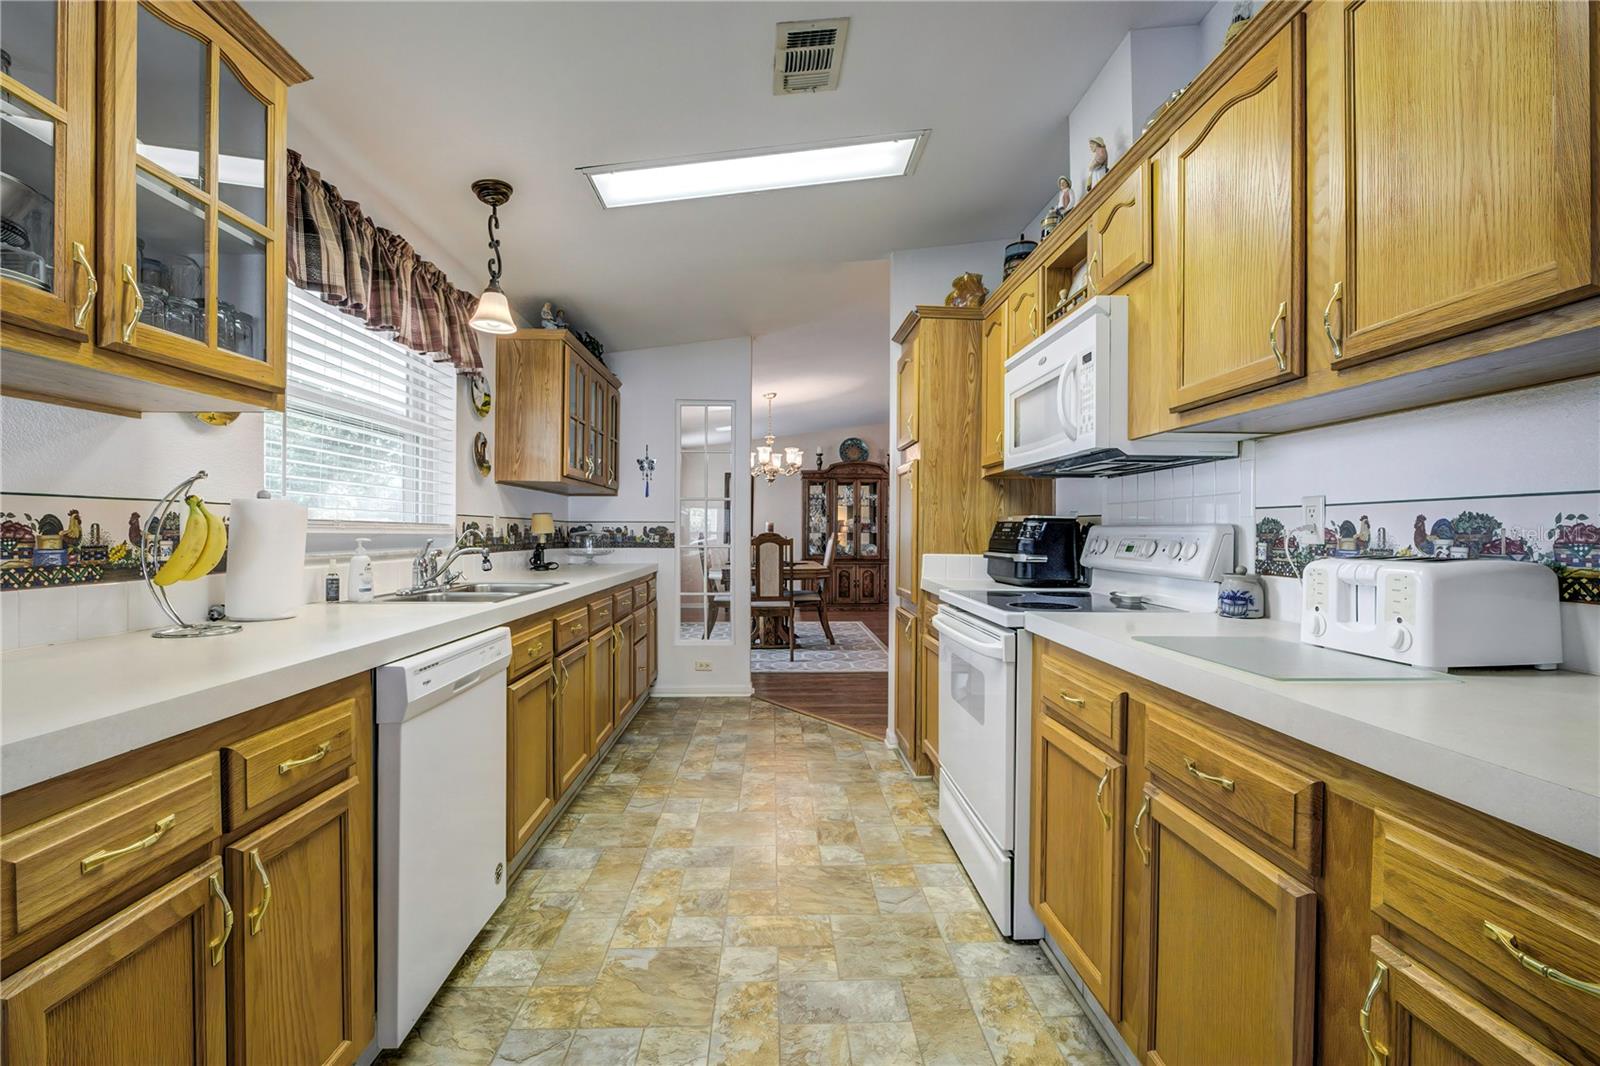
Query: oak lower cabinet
point(602, 686)
point(145, 986)
point(296, 899)
point(572, 715)
point(530, 772)
point(642, 640)
point(1457, 140)
point(1076, 878)
point(907, 562)
point(928, 694)
point(1234, 186)
point(905, 684)
point(622, 666)
point(1424, 1020)
point(1232, 948)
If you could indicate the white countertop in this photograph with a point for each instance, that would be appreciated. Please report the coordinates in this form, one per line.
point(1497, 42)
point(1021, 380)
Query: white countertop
point(1521, 745)
point(65, 706)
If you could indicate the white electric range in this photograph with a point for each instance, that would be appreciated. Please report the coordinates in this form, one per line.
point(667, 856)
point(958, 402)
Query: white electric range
point(985, 693)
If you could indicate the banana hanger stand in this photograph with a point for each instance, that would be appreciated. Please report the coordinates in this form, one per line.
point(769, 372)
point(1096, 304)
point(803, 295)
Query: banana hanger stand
point(150, 547)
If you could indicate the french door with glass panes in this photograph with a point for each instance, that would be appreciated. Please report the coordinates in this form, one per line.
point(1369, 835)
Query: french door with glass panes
point(47, 276)
point(192, 204)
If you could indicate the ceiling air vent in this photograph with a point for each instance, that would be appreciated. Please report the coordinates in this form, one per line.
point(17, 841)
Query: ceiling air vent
point(809, 56)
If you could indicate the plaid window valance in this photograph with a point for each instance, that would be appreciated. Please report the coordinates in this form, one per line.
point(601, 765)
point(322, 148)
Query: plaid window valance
point(338, 253)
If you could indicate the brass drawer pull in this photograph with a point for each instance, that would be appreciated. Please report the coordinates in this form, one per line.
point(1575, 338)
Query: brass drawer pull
point(100, 858)
point(1138, 819)
point(1377, 1055)
point(138, 304)
point(316, 756)
point(91, 290)
point(1075, 701)
point(1272, 335)
point(1099, 790)
point(1508, 940)
point(221, 942)
point(1327, 325)
point(1226, 783)
point(257, 915)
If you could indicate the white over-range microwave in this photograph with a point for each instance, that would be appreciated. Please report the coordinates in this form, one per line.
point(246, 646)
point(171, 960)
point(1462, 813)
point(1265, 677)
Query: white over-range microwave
point(1067, 404)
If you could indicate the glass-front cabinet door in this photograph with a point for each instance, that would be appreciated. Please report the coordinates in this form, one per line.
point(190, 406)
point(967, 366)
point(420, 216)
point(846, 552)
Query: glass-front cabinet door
point(192, 172)
point(613, 430)
point(817, 527)
point(844, 520)
point(577, 439)
point(596, 463)
point(867, 539)
point(47, 79)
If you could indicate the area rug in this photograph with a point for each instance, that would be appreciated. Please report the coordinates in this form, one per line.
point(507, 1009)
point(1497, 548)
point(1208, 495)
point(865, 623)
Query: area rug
point(857, 651)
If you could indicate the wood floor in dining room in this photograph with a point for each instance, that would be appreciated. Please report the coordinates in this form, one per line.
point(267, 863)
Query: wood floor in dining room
point(858, 701)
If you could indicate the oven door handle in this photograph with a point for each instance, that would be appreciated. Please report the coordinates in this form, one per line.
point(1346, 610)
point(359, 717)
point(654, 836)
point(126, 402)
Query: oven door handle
point(994, 650)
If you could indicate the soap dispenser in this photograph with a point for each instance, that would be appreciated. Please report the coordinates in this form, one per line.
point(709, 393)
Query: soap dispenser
point(361, 573)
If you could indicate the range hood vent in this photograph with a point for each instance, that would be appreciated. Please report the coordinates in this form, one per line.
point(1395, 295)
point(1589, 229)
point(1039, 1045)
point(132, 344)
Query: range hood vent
point(1110, 462)
point(809, 56)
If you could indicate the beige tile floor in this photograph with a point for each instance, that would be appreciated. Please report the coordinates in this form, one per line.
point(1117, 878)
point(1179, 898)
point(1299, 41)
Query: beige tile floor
point(741, 884)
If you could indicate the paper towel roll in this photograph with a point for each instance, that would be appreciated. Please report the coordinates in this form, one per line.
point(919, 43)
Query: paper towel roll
point(266, 559)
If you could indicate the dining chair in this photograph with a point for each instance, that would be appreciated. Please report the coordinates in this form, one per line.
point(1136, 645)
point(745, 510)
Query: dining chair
point(772, 599)
point(719, 604)
point(816, 598)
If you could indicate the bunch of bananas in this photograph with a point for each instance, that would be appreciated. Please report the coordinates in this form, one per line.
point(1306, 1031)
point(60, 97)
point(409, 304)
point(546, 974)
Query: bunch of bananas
point(204, 539)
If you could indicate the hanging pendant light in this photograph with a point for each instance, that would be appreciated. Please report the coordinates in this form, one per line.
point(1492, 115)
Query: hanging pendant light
point(493, 314)
point(765, 460)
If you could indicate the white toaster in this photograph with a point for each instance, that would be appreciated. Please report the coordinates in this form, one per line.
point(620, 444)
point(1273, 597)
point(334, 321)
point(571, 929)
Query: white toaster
point(1434, 614)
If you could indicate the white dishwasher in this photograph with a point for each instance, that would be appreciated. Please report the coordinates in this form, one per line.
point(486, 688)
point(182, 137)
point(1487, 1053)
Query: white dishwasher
point(441, 816)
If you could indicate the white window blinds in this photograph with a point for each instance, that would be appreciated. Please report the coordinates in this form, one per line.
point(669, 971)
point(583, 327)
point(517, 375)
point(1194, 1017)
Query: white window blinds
point(368, 431)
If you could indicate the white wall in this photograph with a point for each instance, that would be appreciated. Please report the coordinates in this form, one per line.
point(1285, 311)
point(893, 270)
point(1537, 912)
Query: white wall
point(653, 381)
point(779, 502)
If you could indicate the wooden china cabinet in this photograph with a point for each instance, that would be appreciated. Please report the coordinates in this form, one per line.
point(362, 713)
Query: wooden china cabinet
point(847, 501)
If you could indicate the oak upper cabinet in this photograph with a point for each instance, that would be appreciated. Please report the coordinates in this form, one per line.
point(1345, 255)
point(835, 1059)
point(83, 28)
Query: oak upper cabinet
point(1121, 234)
point(906, 651)
point(1453, 168)
point(1413, 1017)
point(905, 377)
point(294, 980)
point(1023, 314)
point(192, 167)
point(1076, 878)
point(530, 775)
point(47, 273)
point(992, 413)
point(146, 985)
point(572, 715)
point(906, 566)
point(557, 414)
point(1234, 196)
point(1231, 947)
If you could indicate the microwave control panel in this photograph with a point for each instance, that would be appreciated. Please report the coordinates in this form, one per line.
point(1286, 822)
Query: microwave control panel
point(1084, 401)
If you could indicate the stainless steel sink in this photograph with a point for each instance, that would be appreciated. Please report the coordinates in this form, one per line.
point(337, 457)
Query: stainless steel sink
point(472, 592)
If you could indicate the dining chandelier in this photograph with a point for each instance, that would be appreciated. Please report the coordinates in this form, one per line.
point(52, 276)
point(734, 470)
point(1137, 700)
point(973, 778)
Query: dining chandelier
point(765, 460)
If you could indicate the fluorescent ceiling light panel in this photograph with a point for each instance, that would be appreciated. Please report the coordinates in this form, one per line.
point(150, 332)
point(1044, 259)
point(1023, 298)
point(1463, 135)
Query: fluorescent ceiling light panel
point(728, 174)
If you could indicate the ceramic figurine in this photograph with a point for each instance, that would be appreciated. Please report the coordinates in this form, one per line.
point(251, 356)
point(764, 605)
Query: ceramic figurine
point(72, 536)
point(552, 317)
point(1064, 196)
point(1052, 219)
point(1097, 163)
point(1242, 10)
point(967, 290)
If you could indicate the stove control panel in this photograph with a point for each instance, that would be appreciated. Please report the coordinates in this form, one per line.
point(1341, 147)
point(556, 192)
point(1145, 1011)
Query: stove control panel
point(1195, 552)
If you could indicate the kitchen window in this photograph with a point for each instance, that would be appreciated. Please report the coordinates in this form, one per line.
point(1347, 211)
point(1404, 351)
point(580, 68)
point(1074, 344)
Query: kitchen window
point(367, 436)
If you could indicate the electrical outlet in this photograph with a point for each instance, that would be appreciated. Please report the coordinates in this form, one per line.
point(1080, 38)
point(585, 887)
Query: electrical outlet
point(1313, 510)
point(701, 666)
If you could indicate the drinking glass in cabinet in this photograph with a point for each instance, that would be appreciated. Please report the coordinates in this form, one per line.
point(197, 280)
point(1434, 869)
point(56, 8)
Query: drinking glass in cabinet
point(242, 146)
point(171, 94)
point(241, 290)
point(172, 239)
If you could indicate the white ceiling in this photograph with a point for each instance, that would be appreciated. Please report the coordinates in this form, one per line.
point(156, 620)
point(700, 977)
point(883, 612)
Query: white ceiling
point(410, 102)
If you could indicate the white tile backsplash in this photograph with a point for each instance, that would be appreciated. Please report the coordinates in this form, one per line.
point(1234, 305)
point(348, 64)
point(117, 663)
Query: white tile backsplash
point(1221, 491)
point(47, 616)
point(102, 611)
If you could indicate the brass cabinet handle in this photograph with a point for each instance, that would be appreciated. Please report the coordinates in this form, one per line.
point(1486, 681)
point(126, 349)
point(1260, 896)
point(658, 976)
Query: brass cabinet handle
point(1377, 1056)
point(100, 858)
point(1099, 790)
point(1327, 325)
point(1225, 783)
point(1075, 701)
point(221, 942)
point(1033, 319)
point(138, 304)
point(92, 290)
point(316, 756)
point(1138, 819)
point(260, 912)
point(1272, 335)
point(1508, 940)
point(1094, 286)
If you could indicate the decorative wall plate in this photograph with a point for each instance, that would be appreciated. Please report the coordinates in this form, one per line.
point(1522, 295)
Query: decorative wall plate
point(480, 453)
point(853, 450)
point(481, 400)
